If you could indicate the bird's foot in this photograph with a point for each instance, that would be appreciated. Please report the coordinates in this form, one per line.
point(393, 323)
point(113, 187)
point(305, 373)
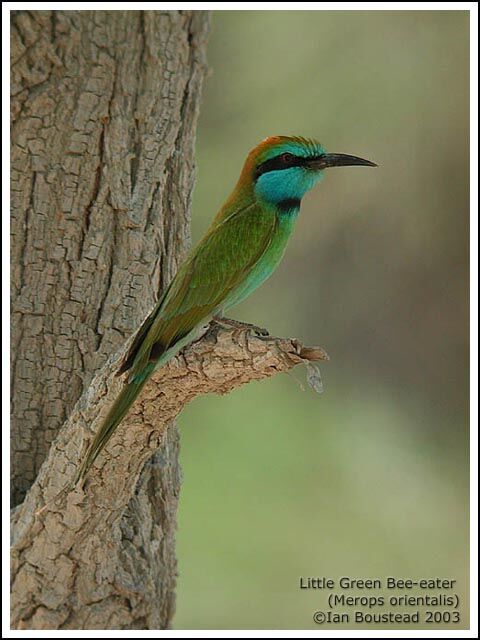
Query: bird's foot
point(229, 323)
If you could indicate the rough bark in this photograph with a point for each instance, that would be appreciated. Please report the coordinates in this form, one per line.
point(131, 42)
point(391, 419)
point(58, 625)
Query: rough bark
point(104, 107)
point(80, 561)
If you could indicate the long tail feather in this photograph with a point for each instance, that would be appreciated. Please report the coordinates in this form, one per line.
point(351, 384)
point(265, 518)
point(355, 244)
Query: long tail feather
point(116, 414)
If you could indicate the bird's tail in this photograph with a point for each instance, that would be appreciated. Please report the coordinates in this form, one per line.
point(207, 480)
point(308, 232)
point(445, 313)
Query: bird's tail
point(116, 414)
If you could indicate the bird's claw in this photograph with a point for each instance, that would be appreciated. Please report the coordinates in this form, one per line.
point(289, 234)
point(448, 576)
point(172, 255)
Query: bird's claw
point(245, 326)
point(261, 332)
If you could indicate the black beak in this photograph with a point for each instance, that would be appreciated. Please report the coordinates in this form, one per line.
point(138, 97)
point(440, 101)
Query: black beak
point(338, 160)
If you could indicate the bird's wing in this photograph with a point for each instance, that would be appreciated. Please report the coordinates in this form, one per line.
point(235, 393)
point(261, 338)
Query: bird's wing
point(220, 263)
point(141, 334)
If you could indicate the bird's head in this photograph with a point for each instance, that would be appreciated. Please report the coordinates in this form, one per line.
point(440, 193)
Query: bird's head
point(283, 168)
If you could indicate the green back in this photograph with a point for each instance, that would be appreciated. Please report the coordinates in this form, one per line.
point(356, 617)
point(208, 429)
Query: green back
point(207, 282)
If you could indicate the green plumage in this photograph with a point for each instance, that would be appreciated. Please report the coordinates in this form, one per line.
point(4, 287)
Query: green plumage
point(240, 251)
point(221, 262)
point(117, 412)
point(202, 287)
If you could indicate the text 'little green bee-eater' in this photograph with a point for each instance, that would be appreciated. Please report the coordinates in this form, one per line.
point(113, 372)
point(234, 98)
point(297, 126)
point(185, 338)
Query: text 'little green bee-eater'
point(240, 250)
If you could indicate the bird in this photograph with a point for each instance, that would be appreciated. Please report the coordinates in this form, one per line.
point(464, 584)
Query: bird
point(240, 250)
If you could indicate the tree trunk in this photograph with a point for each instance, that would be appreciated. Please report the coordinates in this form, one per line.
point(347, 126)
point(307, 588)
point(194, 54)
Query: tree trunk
point(104, 108)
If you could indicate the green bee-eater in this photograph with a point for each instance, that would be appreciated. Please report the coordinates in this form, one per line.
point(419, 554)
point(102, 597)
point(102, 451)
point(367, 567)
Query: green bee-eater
point(240, 250)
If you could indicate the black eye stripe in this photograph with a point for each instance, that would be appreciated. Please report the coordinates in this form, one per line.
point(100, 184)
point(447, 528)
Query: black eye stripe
point(280, 162)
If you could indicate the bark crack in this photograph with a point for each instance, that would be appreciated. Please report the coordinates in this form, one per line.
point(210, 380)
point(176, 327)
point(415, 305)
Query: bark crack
point(89, 254)
point(67, 530)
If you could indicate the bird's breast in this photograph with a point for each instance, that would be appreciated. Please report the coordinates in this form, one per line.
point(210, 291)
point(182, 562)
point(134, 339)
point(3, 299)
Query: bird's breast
point(268, 262)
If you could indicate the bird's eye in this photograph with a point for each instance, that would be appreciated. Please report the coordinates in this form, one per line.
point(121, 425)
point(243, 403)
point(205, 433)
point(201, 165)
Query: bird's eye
point(287, 158)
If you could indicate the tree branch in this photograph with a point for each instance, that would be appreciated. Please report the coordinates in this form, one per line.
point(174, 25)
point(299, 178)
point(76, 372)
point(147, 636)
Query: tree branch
point(56, 533)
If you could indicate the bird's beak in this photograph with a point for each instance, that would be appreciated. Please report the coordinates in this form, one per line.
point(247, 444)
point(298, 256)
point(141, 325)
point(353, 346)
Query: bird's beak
point(337, 160)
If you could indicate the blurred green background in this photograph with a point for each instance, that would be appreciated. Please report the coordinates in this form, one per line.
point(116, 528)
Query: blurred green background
point(369, 479)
